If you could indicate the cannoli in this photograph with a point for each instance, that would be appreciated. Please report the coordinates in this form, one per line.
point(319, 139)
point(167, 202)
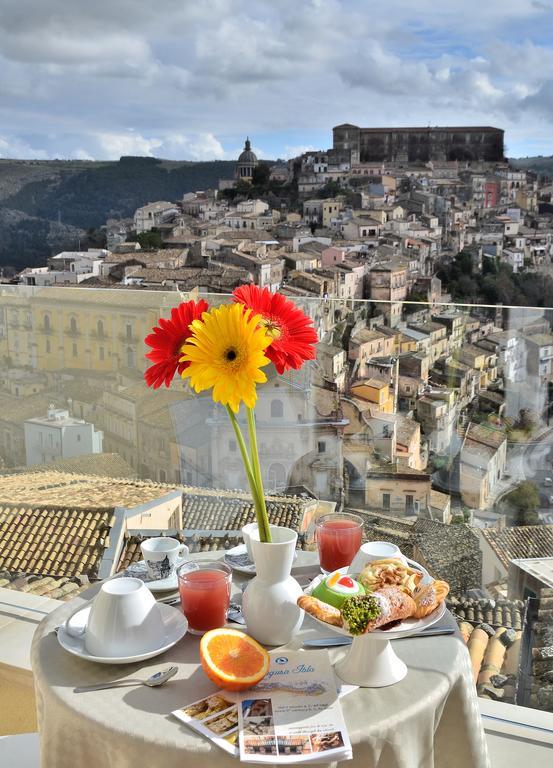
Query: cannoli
point(369, 612)
point(428, 597)
point(320, 610)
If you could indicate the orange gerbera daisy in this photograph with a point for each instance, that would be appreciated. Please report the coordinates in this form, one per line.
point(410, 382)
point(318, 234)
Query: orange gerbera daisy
point(167, 340)
point(293, 337)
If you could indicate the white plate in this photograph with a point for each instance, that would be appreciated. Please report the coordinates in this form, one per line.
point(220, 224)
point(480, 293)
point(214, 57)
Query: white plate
point(237, 558)
point(174, 625)
point(404, 629)
point(140, 571)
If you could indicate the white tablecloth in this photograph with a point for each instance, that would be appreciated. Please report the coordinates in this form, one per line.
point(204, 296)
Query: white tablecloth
point(428, 720)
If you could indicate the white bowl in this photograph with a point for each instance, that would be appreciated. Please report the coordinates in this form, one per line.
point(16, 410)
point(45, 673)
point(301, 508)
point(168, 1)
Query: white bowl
point(375, 550)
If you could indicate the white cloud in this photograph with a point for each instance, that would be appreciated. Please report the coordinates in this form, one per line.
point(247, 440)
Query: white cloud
point(203, 146)
point(295, 151)
point(17, 149)
point(191, 79)
point(80, 154)
point(113, 145)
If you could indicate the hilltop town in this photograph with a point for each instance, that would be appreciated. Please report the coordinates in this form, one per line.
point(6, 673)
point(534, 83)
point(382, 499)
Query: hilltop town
point(425, 416)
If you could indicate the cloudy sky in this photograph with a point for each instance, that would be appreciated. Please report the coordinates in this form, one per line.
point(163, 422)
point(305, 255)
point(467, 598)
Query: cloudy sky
point(188, 79)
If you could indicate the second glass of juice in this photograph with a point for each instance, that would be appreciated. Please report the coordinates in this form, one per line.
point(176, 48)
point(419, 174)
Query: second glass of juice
point(338, 539)
point(204, 588)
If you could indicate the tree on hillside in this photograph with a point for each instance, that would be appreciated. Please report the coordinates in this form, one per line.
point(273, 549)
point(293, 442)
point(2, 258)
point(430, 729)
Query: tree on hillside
point(522, 504)
point(261, 174)
point(527, 420)
point(149, 240)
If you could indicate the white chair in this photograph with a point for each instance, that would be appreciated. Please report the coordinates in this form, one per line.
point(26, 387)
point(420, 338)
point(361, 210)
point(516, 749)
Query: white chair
point(20, 751)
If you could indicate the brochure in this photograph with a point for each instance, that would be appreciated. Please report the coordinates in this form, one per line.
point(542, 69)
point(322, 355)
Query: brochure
point(293, 715)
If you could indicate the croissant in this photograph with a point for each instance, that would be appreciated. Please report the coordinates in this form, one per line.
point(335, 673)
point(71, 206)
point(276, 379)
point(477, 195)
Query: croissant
point(320, 610)
point(428, 597)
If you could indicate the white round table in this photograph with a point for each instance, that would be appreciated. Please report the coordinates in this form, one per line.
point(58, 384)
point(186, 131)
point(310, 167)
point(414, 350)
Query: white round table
point(428, 720)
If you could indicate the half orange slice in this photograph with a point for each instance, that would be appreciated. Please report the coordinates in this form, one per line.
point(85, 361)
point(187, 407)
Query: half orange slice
point(232, 659)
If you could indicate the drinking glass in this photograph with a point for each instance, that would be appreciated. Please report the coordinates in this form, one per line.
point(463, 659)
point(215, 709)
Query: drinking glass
point(338, 538)
point(204, 588)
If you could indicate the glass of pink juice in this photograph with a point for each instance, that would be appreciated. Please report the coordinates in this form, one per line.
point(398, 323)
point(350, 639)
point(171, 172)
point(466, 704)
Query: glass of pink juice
point(338, 539)
point(204, 588)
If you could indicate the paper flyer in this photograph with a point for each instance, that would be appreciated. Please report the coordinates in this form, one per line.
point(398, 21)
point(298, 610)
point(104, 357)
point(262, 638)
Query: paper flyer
point(215, 716)
point(293, 715)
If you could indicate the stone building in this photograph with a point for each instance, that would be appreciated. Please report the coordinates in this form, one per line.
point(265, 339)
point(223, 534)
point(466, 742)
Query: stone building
point(411, 145)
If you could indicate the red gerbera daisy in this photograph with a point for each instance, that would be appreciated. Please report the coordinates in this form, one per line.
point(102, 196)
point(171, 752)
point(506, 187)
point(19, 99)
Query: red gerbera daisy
point(166, 342)
point(293, 335)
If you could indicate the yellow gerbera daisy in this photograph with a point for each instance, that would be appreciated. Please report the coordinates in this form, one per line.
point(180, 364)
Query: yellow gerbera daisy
point(226, 352)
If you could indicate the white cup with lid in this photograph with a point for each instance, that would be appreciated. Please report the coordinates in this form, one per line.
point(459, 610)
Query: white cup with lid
point(375, 550)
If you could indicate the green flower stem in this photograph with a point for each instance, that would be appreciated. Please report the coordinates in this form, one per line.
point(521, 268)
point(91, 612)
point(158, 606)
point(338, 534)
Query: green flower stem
point(258, 499)
point(264, 530)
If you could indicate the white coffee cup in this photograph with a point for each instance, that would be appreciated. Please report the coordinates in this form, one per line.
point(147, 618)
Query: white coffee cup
point(124, 620)
point(162, 555)
point(375, 550)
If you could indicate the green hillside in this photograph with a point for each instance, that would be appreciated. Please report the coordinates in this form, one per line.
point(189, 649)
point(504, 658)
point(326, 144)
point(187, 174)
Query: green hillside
point(540, 164)
point(38, 196)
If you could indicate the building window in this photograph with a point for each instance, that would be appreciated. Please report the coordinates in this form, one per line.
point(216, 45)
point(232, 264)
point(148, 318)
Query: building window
point(232, 446)
point(73, 325)
point(78, 438)
point(409, 503)
point(101, 353)
point(100, 329)
point(47, 345)
point(47, 323)
point(321, 446)
point(277, 409)
point(385, 501)
point(74, 350)
point(129, 331)
point(130, 358)
point(162, 476)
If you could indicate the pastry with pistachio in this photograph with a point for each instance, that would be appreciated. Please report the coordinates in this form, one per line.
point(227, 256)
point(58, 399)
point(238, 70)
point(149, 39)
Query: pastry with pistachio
point(365, 613)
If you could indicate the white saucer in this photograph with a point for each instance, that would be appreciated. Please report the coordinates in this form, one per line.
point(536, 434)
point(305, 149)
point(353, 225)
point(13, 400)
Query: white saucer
point(140, 571)
point(174, 625)
point(237, 558)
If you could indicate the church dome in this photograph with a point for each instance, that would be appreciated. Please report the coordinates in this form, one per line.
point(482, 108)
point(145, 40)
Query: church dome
point(247, 156)
point(246, 163)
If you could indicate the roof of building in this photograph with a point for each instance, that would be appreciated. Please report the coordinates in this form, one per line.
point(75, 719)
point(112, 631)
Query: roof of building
point(482, 433)
point(520, 541)
point(37, 490)
point(55, 588)
point(496, 613)
point(54, 542)
point(102, 464)
point(214, 509)
point(449, 552)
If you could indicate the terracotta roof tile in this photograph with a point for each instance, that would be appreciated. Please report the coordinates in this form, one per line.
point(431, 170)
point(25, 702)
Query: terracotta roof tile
point(57, 588)
point(30, 537)
point(521, 541)
point(210, 510)
point(78, 491)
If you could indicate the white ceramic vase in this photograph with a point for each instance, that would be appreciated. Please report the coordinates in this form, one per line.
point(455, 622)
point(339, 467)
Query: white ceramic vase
point(269, 601)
